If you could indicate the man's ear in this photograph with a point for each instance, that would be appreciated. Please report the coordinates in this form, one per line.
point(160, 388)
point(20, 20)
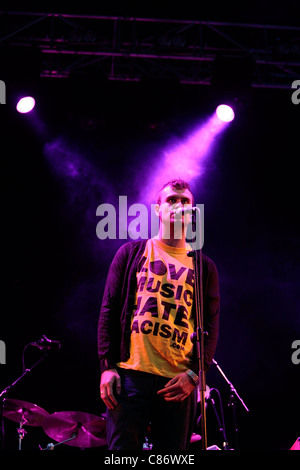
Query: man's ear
point(156, 209)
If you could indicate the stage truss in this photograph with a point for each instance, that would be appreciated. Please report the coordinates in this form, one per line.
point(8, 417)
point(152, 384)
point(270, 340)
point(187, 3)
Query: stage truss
point(60, 45)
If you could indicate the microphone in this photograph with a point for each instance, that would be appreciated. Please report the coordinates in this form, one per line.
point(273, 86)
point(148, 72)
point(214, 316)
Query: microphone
point(184, 210)
point(47, 344)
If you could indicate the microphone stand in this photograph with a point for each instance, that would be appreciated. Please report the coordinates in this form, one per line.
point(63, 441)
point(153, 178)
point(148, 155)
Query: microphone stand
point(232, 401)
point(197, 263)
point(221, 425)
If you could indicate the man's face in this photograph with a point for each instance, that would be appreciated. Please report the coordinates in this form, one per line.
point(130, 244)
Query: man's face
point(171, 200)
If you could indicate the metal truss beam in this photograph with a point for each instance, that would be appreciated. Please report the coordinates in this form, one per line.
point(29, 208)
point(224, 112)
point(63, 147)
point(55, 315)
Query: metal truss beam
point(121, 48)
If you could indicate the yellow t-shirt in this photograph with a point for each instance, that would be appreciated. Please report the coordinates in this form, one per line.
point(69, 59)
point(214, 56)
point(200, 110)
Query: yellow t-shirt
point(161, 324)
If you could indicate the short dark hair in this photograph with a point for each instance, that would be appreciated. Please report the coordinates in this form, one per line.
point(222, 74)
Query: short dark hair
point(176, 183)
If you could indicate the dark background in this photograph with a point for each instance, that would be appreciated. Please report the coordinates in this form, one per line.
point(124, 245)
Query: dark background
point(90, 141)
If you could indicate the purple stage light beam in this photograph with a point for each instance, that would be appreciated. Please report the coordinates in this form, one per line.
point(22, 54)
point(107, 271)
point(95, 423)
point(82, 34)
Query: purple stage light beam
point(187, 158)
point(25, 105)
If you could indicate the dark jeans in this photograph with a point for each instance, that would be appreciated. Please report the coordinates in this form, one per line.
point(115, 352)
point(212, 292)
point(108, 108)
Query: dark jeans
point(171, 423)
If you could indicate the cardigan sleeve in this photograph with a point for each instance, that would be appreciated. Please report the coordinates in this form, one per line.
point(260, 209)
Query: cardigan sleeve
point(211, 314)
point(108, 335)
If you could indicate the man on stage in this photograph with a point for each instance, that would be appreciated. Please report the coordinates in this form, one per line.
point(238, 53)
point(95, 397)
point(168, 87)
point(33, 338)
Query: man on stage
point(149, 367)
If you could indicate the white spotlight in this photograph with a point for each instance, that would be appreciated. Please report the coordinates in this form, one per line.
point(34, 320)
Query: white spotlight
point(225, 113)
point(26, 104)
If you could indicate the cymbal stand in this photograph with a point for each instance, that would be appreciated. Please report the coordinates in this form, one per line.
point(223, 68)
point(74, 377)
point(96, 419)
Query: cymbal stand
point(21, 431)
point(2, 400)
point(232, 401)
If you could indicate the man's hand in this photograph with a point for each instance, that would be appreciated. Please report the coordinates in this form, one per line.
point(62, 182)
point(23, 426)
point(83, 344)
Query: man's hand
point(178, 388)
point(109, 379)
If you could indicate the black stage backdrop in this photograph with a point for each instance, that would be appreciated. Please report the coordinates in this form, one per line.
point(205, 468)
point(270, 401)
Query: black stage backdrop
point(92, 140)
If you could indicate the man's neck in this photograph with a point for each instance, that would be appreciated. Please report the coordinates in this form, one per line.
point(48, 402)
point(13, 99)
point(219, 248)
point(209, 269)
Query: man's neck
point(170, 240)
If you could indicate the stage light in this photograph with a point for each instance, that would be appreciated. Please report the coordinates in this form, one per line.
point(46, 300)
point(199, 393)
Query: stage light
point(25, 105)
point(225, 113)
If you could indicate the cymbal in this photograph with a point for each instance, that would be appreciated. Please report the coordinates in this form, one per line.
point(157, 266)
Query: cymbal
point(29, 413)
point(83, 429)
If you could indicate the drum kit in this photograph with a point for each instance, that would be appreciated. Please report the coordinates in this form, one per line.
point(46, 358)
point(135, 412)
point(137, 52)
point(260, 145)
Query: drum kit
point(73, 428)
point(78, 429)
